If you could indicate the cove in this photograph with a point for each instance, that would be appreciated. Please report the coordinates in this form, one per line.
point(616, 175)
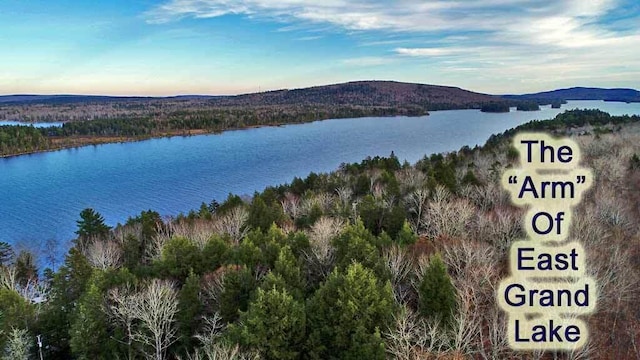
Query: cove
point(41, 195)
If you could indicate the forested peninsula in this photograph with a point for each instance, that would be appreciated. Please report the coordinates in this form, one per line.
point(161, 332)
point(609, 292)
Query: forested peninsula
point(376, 260)
point(97, 120)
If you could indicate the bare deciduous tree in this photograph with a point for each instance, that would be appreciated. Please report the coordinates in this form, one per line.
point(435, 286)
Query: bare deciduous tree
point(199, 230)
point(213, 327)
point(410, 178)
point(291, 205)
point(8, 277)
point(121, 232)
point(232, 223)
point(104, 254)
point(155, 307)
point(447, 218)
point(400, 267)
point(321, 234)
point(416, 203)
point(344, 195)
point(221, 351)
point(500, 228)
point(412, 338)
point(122, 312)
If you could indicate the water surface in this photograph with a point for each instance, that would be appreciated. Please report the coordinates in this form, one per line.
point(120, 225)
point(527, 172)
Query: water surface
point(41, 195)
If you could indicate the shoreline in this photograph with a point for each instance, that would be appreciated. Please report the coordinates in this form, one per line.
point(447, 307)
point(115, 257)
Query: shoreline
point(95, 141)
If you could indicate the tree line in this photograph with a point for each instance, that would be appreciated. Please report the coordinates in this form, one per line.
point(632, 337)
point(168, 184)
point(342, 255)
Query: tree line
point(19, 139)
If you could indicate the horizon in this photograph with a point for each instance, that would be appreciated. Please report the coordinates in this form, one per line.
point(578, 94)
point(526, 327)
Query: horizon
point(215, 47)
point(298, 88)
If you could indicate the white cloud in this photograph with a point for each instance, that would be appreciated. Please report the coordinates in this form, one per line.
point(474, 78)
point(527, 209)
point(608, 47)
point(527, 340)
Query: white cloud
point(523, 21)
point(310, 38)
point(428, 52)
point(530, 41)
point(367, 61)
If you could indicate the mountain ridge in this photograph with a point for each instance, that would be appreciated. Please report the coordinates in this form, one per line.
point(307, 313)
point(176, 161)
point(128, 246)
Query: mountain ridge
point(364, 93)
point(581, 93)
point(359, 92)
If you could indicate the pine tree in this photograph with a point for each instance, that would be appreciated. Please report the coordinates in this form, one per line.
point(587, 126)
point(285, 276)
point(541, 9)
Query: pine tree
point(437, 295)
point(91, 224)
point(406, 236)
point(356, 243)
point(288, 268)
point(90, 322)
point(189, 310)
point(6, 253)
point(239, 284)
point(274, 324)
point(67, 286)
point(347, 313)
point(15, 312)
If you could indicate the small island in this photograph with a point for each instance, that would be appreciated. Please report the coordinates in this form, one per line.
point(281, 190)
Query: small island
point(528, 106)
point(495, 107)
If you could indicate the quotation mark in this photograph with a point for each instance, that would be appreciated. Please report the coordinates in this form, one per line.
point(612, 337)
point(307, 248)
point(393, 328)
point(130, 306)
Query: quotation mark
point(513, 179)
point(581, 179)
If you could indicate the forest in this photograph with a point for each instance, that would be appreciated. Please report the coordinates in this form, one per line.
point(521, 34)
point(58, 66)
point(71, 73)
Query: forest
point(18, 139)
point(91, 120)
point(376, 260)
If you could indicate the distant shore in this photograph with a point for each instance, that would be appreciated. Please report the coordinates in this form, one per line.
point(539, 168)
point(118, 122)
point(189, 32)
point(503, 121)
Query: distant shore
point(74, 142)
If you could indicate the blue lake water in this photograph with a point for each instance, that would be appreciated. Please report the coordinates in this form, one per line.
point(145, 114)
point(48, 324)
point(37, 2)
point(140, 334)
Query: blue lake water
point(41, 195)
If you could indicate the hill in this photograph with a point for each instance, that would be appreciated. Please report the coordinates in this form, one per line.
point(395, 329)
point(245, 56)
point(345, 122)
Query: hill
point(359, 93)
point(581, 93)
point(369, 93)
point(69, 99)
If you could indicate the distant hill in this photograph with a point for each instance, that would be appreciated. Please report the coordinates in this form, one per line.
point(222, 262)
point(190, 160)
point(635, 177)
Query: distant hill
point(359, 93)
point(369, 93)
point(68, 99)
point(581, 93)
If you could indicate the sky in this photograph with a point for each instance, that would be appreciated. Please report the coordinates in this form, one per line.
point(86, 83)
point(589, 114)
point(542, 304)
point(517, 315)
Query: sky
point(170, 47)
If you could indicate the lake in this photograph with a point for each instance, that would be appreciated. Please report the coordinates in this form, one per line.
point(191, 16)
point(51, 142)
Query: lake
point(41, 195)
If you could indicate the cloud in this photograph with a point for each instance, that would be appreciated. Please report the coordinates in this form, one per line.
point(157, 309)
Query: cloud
point(367, 61)
point(523, 21)
point(527, 40)
point(428, 52)
point(310, 38)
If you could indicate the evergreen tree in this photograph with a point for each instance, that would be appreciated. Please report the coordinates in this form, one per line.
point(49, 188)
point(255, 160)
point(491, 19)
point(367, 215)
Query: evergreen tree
point(15, 313)
point(19, 345)
point(437, 295)
point(346, 315)
point(356, 243)
point(214, 253)
point(274, 324)
point(262, 215)
point(288, 267)
point(90, 322)
point(67, 286)
point(239, 284)
point(91, 224)
point(189, 309)
point(180, 256)
point(6, 253)
point(406, 236)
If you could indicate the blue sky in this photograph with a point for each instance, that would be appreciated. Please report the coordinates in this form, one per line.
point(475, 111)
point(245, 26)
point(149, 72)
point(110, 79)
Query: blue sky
point(167, 47)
